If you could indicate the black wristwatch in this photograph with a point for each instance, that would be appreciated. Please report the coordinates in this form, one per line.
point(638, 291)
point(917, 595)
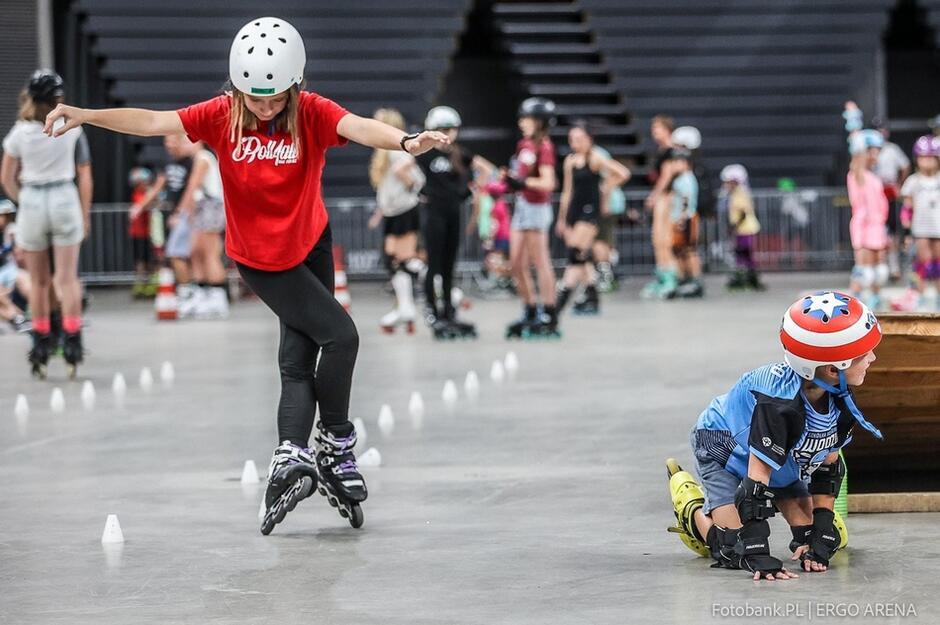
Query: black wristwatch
point(407, 138)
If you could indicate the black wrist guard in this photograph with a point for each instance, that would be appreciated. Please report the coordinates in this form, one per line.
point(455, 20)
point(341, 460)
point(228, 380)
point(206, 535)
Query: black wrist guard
point(801, 536)
point(824, 539)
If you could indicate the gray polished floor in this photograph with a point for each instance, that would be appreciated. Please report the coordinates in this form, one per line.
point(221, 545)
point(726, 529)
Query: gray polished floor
point(543, 501)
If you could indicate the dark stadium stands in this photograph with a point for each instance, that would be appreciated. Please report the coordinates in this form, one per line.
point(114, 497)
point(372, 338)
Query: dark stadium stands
point(764, 81)
point(364, 54)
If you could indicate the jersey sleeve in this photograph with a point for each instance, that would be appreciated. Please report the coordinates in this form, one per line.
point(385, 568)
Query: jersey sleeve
point(546, 154)
point(325, 115)
point(10, 144)
point(775, 428)
point(206, 121)
point(82, 151)
point(907, 189)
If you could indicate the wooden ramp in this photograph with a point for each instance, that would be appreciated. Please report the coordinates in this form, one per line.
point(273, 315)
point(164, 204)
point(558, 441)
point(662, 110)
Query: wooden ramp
point(901, 396)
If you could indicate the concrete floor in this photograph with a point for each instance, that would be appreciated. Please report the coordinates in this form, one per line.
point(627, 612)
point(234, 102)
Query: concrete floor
point(544, 501)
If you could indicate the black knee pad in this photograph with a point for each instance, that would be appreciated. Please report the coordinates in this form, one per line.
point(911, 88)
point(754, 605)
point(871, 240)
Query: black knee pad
point(391, 264)
point(574, 256)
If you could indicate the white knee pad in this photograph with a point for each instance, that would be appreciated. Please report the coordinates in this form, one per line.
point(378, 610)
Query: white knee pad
point(864, 275)
point(881, 274)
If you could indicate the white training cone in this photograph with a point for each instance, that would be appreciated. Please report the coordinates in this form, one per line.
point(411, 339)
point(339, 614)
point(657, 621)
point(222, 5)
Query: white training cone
point(88, 395)
point(250, 473)
point(497, 373)
point(371, 458)
point(511, 363)
point(119, 386)
point(386, 420)
point(416, 405)
point(57, 400)
point(112, 531)
point(361, 435)
point(21, 408)
point(472, 385)
point(449, 394)
point(146, 379)
point(167, 374)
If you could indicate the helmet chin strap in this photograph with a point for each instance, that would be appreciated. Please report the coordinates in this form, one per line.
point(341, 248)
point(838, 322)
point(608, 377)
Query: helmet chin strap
point(843, 392)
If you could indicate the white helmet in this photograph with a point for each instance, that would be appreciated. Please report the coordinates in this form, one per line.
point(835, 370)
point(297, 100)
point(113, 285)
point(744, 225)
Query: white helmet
point(442, 117)
point(734, 173)
point(687, 136)
point(267, 57)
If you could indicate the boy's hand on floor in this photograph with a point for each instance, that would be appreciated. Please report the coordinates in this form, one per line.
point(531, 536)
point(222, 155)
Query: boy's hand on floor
point(781, 575)
point(810, 566)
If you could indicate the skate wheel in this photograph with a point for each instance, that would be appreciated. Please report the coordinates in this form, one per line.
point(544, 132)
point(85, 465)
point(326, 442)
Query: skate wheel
point(356, 518)
point(410, 327)
point(72, 371)
point(672, 467)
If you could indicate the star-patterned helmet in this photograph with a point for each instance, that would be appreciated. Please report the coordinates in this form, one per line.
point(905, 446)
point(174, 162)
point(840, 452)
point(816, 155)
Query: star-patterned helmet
point(827, 328)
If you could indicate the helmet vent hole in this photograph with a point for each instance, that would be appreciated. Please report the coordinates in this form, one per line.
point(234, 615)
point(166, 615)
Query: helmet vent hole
point(277, 26)
point(257, 23)
point(868, 326)
point(845, 311)
point(282, 40)
point(270, 53)
point(251, 49)
point(245, 74)
point(263, 35)
point(270, 76)
point(825, 318)
point(244, 37)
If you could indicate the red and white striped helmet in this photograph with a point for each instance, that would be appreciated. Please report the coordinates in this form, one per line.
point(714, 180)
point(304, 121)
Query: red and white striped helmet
point(827, 328)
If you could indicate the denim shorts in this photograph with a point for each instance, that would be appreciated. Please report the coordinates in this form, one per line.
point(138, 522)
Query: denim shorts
point(49, 212)
point(720, 484)
point(8, 273)
point(179, 242)
point(529, 216)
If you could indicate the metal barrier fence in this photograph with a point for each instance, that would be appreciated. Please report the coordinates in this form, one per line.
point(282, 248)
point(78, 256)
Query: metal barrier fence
point(802, 230)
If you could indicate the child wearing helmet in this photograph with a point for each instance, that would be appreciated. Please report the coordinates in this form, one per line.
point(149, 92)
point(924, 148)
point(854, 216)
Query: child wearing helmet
point(772, 444)
point(449, 171)
point(271, 139)
point(140, 179)
point(39, 175)
point(532, 177)
point(921, 197)
point(868, 227)
point(736, 194)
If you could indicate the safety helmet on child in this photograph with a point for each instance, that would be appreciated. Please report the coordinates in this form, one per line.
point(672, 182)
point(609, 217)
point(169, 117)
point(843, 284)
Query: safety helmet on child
point(688, 137)
point(734, 173)
point(873, 138)
point(45, 86)
point(927, 145)
point(267, 57)
point(139, 175)
point(827, 328)
point(441, 118)
point(542, 109)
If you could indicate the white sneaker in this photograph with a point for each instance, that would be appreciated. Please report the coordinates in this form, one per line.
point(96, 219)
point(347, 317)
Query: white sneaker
point(188, 296)
point(212, 304)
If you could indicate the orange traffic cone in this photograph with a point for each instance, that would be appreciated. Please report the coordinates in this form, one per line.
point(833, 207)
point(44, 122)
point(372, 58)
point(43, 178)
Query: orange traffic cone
point(165, 303)
point(341, 291)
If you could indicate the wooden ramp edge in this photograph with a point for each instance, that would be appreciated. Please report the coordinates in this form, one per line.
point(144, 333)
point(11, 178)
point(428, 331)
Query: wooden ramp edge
point(894, 502)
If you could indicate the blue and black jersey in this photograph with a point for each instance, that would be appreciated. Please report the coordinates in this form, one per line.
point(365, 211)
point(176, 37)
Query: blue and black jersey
point(766, 414)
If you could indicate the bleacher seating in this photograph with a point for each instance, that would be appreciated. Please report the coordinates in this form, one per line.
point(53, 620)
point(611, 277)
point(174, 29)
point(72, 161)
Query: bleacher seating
point(364, 54)
point(765, 82)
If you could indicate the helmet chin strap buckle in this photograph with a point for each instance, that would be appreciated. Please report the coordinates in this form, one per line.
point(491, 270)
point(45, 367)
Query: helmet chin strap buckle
point(843, 393)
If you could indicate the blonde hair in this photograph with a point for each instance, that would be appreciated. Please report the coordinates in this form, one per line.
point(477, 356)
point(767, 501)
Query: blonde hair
point(242, 119)
point(378, 165)
point(33, 110)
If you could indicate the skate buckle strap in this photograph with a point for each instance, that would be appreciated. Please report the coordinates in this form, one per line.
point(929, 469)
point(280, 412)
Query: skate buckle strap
point(842, 392)
point(347, 466)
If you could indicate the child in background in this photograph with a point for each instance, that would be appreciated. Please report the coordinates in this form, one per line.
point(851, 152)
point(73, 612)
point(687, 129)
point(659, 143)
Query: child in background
point(868, 226)
point(12, 278)
point(140, 180)
point(921, 195)
point(685, 223)
point(744, 225)
point(496, 243)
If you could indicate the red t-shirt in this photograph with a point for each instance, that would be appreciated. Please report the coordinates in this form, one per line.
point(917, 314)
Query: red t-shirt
point(529, 157)
point(140, 225)
point(273, 206)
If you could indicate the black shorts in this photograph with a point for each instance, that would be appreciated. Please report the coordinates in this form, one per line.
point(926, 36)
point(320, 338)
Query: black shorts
point(403, 224)
point(589, 213)
point(142, 250)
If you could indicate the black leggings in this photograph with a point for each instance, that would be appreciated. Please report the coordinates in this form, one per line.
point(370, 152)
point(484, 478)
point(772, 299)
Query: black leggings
point(441, 239)
point(312, 323)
